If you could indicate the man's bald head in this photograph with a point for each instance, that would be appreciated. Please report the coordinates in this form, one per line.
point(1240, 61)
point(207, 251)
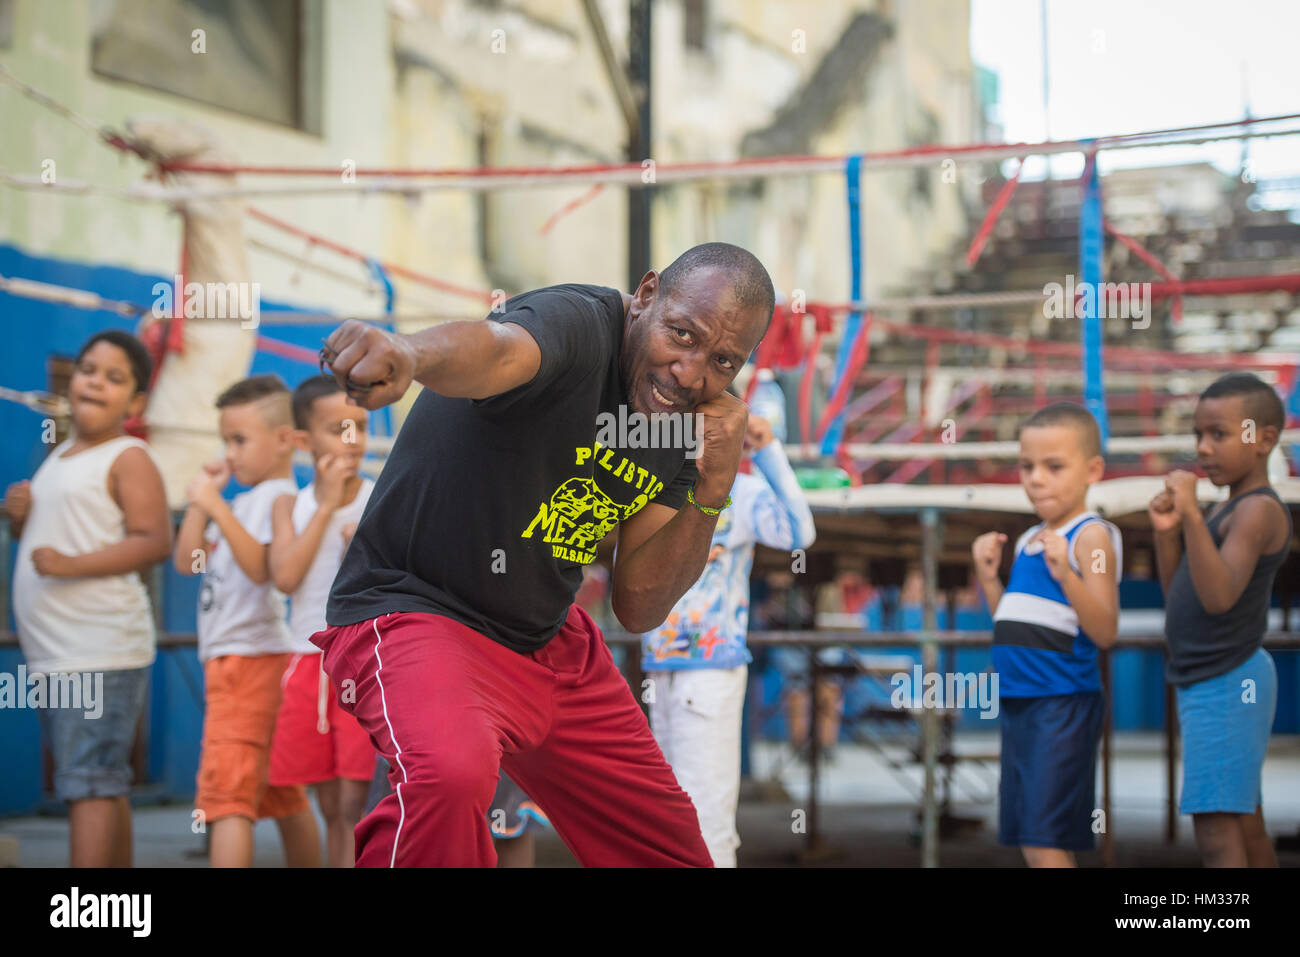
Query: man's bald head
point(690, 328)
point(750, 282)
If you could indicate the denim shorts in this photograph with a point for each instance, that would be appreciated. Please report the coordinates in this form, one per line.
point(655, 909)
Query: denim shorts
point(92, 747)
point(1225, 722)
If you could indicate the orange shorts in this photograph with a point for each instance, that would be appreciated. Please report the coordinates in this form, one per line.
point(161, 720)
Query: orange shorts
point(242, 698)
point(315, 739)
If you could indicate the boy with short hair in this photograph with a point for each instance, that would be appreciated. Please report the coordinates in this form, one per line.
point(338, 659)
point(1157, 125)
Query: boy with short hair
point(317, 742)
point(90, 521)
point(243, 642)
point(1217, 572)
point(1060, 605)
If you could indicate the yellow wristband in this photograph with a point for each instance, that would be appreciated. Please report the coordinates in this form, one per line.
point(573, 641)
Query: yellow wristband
point(690, 497)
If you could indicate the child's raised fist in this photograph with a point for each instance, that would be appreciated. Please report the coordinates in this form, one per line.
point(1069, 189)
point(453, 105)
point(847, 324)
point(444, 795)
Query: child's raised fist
point(205, 488)
point(1056, 552)
point(332, 473)
point(1164, 517)
point(987, 554)
point(1181, 486)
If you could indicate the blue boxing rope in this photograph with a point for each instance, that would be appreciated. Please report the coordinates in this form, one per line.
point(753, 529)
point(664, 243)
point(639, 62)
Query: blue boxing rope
point(1090, 273)
point(853, 178)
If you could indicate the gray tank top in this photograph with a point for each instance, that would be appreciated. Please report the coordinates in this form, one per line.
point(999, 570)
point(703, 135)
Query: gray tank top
point(1202, 645)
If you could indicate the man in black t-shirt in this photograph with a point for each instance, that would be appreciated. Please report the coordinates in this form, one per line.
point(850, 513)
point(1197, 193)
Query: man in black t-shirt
point(453, 633)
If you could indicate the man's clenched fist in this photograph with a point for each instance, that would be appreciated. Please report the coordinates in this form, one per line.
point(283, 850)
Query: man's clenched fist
point(375, 366)
point(720, 436)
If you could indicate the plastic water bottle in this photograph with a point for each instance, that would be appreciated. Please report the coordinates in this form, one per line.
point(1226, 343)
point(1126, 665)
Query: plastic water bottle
point(768, 402)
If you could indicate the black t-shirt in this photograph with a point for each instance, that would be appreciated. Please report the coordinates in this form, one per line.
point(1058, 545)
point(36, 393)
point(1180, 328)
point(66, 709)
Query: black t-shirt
point(487, 509)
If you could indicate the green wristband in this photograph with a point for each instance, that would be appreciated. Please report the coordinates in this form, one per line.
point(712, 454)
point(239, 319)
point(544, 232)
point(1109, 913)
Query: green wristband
point(690, 497)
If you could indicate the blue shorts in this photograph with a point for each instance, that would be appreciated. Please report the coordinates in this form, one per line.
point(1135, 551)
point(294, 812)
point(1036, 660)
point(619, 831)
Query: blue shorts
point(1225, 724)
point(92, 748)
point(1048, 791)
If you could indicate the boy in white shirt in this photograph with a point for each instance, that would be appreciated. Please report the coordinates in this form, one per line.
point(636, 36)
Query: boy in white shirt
point(244, 643)
point(317, 742)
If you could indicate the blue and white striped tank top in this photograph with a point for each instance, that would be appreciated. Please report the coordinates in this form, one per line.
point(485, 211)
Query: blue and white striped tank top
point(1038, 647)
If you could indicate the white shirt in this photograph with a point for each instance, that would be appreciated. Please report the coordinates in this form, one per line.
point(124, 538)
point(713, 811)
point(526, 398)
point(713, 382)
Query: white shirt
point(307, 606)
point(100, 623)
point(236, 615)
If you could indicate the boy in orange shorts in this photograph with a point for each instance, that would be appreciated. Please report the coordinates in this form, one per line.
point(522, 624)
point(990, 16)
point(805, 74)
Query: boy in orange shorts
point(316, 741)
point(243, 640)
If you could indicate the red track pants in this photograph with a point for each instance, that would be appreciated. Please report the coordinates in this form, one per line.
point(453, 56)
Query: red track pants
point(447, 707)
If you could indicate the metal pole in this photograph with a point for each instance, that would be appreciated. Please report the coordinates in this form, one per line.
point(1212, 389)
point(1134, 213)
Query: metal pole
point(813, 841)
point(929, 665)
point(639, 145)
point(1108, 835)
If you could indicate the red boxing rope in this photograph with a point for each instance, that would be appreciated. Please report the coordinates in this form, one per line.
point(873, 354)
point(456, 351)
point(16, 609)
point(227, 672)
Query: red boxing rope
point(991, 217)
point(857, 358)
point(569, 207)
point(1282, 282)
point(1147, 257)
point(935, 149)
point(805, 387)
point(287, 350)
point(391, 268)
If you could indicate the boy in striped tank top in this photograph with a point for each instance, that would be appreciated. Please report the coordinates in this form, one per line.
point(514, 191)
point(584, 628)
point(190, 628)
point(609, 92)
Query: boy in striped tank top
point(1060, 605)
point(92, 518)
point(316, 742)
point(1217, 572)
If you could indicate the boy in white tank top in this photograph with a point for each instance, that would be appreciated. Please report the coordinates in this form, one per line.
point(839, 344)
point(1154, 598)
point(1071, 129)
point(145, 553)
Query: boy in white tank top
point(317, 742)
point(92, 518)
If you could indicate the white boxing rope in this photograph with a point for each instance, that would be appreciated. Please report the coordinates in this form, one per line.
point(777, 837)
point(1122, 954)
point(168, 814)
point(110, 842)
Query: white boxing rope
point(382, 445)
point(67, 296)
point(84, 299)
point(37, 401)
point(901, 451)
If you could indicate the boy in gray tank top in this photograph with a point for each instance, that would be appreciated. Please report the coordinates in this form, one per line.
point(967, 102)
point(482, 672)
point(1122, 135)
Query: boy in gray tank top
point(1217, 572)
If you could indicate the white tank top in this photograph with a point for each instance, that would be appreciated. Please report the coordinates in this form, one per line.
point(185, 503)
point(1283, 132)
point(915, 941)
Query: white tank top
point(307, 605)
point(79, 624)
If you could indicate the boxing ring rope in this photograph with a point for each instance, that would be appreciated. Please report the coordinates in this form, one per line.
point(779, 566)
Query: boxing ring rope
point(414, 180)
point(403, 272)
